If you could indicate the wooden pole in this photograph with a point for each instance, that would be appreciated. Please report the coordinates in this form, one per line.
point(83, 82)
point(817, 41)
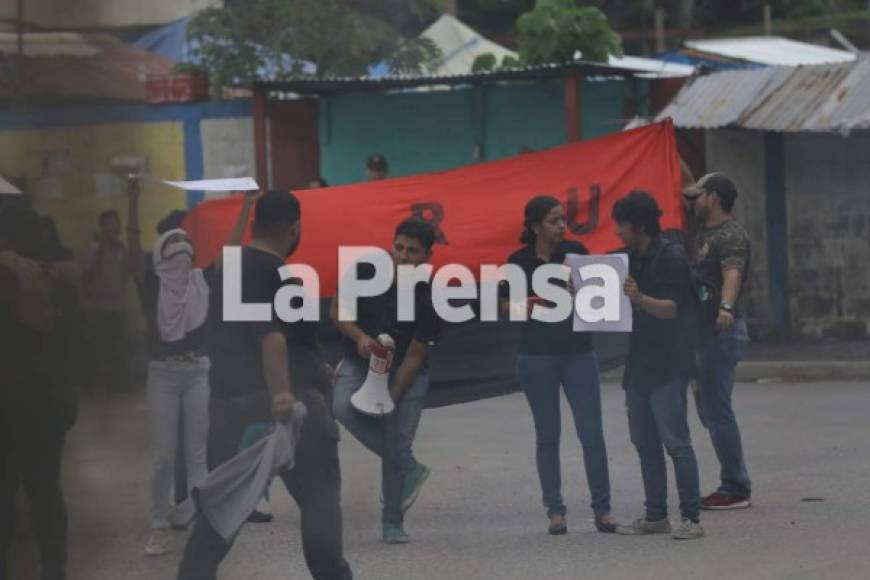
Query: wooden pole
point(573, 106)
point(260, 136)
point(660, 30)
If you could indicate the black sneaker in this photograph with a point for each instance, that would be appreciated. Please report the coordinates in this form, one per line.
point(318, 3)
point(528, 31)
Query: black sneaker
point(257, 517)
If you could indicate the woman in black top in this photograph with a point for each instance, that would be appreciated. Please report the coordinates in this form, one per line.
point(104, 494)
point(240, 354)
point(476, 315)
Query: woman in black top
point(552, 354)
point(175, 296)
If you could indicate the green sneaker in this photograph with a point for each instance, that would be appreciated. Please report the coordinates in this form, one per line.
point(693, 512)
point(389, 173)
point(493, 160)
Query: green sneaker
point(413, 484)
point(394, 534)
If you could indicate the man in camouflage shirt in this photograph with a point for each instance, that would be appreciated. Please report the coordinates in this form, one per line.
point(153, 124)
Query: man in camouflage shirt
point(721, 258)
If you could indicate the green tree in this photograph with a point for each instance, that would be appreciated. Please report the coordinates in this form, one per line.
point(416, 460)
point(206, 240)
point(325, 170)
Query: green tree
point(556, 29)
point(338, 37)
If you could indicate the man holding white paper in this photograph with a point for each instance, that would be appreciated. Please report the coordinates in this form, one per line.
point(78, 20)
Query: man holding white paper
point(658, 367)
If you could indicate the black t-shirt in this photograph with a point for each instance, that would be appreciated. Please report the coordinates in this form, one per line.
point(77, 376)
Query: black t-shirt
point(235, 347)
point(149, 291)
point(379, 315)
point(660, 350)
point(548, 338)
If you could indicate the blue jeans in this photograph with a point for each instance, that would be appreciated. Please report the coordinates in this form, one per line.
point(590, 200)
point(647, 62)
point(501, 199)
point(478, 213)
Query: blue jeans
point(391, 438)
point(717, 364)
point(540, 377)
point(658, 422)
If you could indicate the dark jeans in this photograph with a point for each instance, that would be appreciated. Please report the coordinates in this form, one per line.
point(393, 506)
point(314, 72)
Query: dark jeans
point(31, 448)
point(391, 438)
point(107, 354)
point(314, 482)
point(540, 377)
point(658, 422)
point(717, 365)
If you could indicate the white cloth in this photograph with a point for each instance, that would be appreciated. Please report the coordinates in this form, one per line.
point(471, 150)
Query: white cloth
point(182, 301)
point(228, 495)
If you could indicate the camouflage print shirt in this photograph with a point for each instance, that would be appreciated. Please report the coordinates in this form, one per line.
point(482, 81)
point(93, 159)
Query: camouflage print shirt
point(719, 249)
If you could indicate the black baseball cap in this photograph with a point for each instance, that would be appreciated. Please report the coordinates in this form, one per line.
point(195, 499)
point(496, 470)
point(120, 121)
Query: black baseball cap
point(713, 182)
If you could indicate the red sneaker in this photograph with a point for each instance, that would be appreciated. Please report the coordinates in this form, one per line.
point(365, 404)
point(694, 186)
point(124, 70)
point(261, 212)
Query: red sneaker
point(724, 501)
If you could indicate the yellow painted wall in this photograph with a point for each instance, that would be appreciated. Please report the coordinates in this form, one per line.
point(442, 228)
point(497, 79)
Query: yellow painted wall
point(91, 149)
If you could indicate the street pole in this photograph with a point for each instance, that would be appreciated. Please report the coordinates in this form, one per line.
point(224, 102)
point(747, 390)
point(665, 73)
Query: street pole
point(19, 65)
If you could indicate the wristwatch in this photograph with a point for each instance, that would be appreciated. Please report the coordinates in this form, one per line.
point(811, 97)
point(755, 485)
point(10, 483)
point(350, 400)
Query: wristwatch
point(727, 307)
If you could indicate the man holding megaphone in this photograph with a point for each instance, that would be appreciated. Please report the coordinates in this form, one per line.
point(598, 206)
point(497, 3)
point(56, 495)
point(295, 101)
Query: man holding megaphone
point(381, 351)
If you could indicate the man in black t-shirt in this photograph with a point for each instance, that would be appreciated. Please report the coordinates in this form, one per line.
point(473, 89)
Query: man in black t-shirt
point(261, 369)
point(658, 367)
point(391, 437)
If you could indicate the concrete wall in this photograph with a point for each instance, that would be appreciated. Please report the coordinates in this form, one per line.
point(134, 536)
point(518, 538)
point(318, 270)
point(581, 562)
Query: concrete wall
point(740, 155)
point(438, 130)
point(828, 198)
point(828, 185)
point(227, 148)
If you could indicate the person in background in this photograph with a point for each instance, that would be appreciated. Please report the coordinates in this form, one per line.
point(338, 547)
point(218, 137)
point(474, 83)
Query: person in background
point(377, 167)
point(175, 296)
point(658, 368)
point(105, 274)
point(35, 410)
point(721, 259)
point(552, 355)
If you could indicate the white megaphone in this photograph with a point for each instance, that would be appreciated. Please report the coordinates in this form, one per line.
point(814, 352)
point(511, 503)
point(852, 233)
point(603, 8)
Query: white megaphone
point(373, 397)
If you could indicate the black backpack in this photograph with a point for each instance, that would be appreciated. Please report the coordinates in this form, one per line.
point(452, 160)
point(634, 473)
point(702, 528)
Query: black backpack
point(704, 298)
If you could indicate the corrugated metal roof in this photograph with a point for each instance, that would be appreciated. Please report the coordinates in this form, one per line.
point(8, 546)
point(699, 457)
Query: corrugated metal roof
point(39, 44)
point(115, 72)
point(313, 85)
point(771, 50)
point(808, 98)
point(849, 106)
point(717, 100)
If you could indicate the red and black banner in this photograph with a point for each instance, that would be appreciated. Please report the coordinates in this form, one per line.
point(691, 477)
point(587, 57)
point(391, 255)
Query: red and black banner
point(478, 212)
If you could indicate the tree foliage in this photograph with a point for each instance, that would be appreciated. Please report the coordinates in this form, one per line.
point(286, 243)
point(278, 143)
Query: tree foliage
point(249, 39)
point(555, 30)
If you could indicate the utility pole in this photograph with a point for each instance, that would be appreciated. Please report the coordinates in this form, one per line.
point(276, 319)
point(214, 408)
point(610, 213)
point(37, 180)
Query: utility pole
point(660, 30)
point(19, 64)
point(768, 20)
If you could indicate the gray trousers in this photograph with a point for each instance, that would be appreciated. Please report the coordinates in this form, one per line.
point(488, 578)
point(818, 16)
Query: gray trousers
point(178, 395)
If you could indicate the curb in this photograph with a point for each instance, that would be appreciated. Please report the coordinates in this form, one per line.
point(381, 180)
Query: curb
point(787, 371)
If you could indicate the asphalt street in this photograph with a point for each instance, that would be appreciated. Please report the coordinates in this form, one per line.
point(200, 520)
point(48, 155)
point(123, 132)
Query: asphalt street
point(479, 516)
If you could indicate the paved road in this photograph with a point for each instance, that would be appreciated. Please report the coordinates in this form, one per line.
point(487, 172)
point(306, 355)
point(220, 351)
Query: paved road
point(479, 515)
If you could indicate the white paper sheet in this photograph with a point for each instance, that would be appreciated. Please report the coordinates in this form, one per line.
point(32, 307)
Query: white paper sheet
point(233, 184)
point(8, 188)
point(618, 264)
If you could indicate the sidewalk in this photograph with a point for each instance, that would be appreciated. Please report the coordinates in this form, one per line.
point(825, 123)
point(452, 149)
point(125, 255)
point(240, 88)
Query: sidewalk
point(800, 362)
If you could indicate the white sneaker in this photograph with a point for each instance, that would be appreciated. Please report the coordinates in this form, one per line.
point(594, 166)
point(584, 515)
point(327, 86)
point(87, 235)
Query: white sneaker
point(158, 543)
point(689, 530)
point(182, 515)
